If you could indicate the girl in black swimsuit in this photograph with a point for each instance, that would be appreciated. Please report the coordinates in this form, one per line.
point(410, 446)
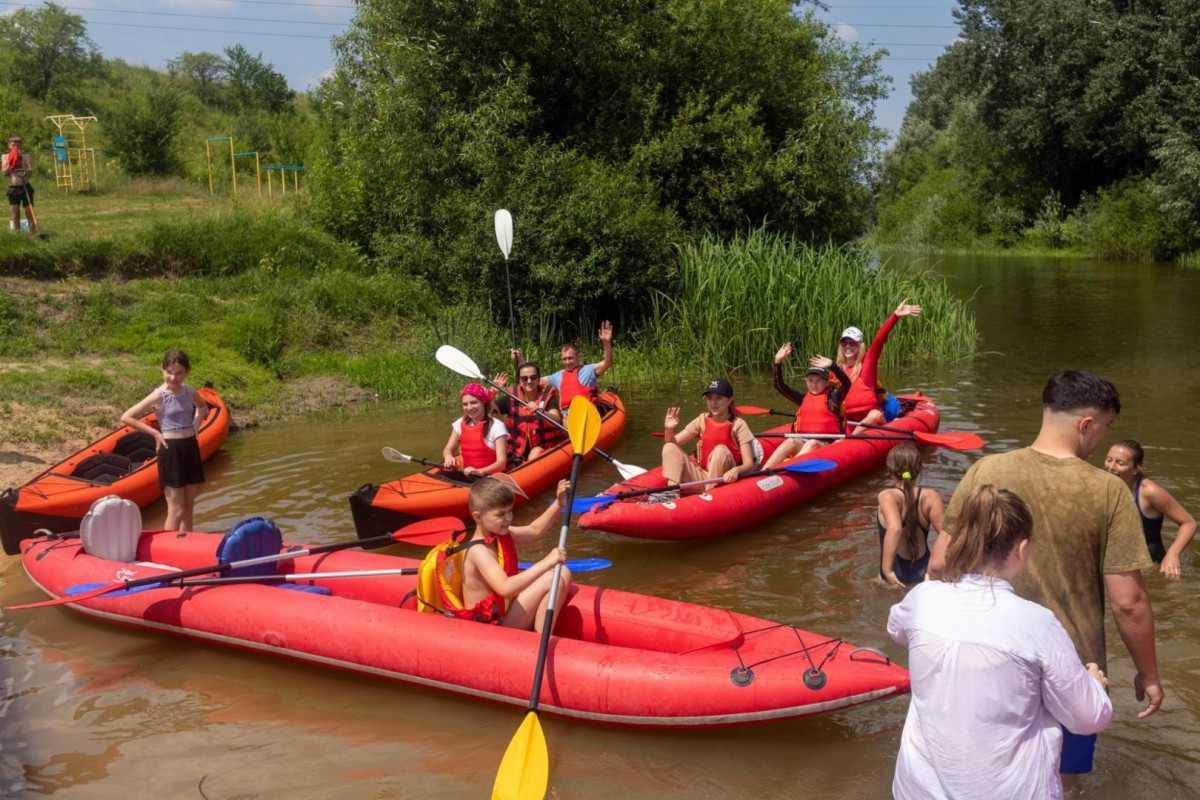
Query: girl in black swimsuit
point(906, 513)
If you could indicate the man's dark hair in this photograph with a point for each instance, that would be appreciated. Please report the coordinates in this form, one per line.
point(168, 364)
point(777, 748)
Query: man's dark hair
point(1076, 390)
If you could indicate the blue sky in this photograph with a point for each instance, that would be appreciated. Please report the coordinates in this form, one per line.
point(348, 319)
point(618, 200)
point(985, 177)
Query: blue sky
point(293, 34)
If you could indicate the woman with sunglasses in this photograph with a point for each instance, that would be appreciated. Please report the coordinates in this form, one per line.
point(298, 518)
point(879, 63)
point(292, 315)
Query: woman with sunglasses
point(531, 433)
point(866, 397)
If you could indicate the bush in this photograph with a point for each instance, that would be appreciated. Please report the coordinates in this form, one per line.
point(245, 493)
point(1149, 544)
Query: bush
point(1127, 223)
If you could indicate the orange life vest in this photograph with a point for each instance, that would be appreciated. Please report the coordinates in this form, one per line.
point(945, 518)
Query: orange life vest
point(571, 387)
point(528, 430)
point(716, 434)
point(440, 580)
point(475, 451)
point(813, 415)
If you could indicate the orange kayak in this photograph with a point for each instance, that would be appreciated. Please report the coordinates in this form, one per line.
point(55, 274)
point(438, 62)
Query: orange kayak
point(122, 463)
point(437, 492)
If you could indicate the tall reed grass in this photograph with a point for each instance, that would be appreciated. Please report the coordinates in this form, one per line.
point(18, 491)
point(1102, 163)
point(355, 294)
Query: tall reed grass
point(738, 300)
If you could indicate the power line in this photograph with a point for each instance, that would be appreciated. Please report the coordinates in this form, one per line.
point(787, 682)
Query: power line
point(212, 30)
point(174, 14)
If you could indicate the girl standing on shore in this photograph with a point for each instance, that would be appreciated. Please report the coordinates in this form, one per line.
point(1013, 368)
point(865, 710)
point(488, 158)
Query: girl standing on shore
point(179, 408)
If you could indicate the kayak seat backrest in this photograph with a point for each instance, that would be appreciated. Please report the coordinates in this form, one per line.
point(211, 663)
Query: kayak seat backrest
point(102, 468)
point(111, 529)
point(254, 538)
point(136, 446)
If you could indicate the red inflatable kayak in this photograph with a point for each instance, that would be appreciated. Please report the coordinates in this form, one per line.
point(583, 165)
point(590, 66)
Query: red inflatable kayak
point(729, 508)
point(122, 463)
point(436, 492)
point(617, 658)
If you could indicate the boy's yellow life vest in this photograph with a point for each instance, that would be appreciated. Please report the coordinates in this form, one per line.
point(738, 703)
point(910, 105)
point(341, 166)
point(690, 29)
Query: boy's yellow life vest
point(440, 580)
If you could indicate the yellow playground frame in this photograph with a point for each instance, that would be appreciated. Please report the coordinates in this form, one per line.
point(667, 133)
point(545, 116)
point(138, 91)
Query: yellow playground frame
point(74, 161)
point(258, 168)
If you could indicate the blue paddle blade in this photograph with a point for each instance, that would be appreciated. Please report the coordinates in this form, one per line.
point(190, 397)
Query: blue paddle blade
point(578, 565)
point(116, 592)
point(582, 504)
point(812, 465)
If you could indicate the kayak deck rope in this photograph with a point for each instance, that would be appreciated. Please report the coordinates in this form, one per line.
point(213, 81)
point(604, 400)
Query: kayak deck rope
point(814, 676)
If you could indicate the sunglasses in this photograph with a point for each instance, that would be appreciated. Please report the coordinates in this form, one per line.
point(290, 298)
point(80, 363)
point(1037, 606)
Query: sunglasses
point(850, 343)
point(530, 378)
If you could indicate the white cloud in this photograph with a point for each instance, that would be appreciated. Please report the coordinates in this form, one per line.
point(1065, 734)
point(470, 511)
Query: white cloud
point(845, 32)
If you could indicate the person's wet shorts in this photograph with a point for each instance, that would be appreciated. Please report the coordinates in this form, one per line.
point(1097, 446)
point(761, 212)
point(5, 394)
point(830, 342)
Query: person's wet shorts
point(1077, 753)
point(17, 196)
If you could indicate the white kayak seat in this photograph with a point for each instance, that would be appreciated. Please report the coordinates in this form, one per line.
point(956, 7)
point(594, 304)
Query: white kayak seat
point(111, 529)
point(756, 446)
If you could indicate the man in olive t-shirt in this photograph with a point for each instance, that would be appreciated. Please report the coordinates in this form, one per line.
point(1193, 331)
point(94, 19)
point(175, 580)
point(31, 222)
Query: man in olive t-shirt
point(1087, 535)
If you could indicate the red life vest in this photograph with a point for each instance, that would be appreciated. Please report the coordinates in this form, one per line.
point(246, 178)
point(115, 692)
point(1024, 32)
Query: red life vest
point(475, 452)
point(814, 416)
point(716, 434)
point(528, 430)
point(440, 580)
point(571, 387)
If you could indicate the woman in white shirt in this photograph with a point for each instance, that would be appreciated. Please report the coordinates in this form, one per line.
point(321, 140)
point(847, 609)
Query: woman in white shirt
point(993, 675)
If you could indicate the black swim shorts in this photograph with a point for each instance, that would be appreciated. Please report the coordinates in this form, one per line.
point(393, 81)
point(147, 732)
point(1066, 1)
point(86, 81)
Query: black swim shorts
point(17, 195)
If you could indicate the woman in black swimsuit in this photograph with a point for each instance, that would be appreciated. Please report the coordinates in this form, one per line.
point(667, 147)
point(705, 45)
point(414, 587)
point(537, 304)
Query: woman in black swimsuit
point(906, 513)
point(1155, 504)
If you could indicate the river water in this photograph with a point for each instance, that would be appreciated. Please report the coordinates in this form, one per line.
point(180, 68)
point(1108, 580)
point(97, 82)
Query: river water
point(92, 711)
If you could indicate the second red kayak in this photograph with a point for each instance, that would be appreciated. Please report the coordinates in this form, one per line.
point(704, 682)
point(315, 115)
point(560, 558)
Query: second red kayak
point(729, 508)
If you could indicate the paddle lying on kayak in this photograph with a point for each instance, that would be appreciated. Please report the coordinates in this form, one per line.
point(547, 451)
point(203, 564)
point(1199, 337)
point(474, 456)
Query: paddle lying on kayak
point(583, 504)
point(577, 565)
point(392, 454)
point(955, 441)
point(952, 441)
point(525, 769)
point(428, 531)
point(454, 359)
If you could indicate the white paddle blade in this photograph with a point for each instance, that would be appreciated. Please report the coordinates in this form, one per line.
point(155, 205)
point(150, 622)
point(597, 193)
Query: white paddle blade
point(457, 361)
point(504, 231)
point(392, 454)
point(628, 470)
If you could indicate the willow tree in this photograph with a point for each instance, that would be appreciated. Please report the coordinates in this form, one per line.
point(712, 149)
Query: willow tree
point(608, 128)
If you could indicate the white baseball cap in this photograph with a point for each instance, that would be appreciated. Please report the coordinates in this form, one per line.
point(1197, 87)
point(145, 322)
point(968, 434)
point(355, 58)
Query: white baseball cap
point(852, 333)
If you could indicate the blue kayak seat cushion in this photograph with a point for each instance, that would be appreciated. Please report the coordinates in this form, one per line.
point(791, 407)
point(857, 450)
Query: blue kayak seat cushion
point(254, 538)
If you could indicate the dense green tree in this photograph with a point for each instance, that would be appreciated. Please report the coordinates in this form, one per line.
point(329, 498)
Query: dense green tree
point(46, 49)
point(202, 73)
point(253, 83)
point(1075, 96)
point(142, 133)
point(606, 126)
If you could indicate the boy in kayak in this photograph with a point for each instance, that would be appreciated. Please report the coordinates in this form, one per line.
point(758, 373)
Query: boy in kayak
point(820, 410)
point(493, 589)
point(726, 448)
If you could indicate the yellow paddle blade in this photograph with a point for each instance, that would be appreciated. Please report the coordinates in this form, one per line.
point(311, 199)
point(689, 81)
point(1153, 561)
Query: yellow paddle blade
point(525, 769)
point(583, 424)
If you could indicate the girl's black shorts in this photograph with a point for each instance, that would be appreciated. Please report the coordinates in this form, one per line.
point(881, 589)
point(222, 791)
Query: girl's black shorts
point(179, 464)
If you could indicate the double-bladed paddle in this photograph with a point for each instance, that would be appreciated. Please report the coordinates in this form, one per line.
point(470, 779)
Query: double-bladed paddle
point(504, 238)
point(797, 467)
point(454, 359)
point(952, 441)
point(392, 454)
point(525, 769)
point(578, 565)
point(429, 531)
